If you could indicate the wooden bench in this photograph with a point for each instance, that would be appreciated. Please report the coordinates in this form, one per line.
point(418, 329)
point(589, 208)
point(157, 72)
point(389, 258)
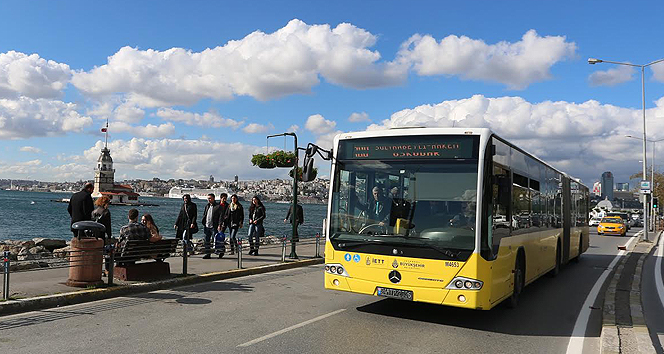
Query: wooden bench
point(133, 251)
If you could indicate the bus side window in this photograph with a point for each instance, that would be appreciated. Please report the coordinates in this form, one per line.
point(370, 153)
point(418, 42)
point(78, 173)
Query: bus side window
point(500, 201)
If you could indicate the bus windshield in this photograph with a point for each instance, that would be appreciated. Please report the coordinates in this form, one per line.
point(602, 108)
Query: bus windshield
point(426, 205)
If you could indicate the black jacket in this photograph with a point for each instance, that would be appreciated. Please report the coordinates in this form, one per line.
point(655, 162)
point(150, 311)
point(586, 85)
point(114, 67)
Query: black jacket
point(80, 207)
point(215, 215)
point(103, 216)
point(257, 214)
point(223, 211)
point(234, 218)
point(188, 217)
point(299, 217)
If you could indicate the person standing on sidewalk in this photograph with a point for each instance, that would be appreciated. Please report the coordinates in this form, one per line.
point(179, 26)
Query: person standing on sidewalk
point(81, 205)
point(234, 220)
point(299, 219)
point(256, 217)
point(210, 222)
point(221, 223)
point(185, 225)
point(102, 215)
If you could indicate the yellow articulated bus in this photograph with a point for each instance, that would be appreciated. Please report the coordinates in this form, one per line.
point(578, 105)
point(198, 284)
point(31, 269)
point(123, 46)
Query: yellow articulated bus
point(451, 216)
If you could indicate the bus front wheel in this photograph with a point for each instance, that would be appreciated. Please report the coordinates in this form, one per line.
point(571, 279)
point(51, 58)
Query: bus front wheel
point(554, 272)
point(519, 276)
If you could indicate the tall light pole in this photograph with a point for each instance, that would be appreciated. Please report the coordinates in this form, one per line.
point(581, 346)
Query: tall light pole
point(643, 105)
point(652, 174)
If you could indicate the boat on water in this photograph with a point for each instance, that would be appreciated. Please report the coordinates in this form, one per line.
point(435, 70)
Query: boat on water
point(195, 193)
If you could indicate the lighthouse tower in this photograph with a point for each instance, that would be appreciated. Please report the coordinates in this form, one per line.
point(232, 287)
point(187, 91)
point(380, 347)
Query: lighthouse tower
point(105, 179)
point(104, 172)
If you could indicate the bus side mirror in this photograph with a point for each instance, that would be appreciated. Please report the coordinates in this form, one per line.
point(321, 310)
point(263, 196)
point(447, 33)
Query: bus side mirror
point(308, 169)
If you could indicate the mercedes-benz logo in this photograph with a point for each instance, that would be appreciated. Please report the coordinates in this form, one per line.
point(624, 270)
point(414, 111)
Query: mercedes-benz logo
point(394, 276)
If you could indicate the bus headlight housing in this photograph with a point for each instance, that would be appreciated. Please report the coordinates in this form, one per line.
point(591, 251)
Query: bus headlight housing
point(463, 283)
point(336, 269)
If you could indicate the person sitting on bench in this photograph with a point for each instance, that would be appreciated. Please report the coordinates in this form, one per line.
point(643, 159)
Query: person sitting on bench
point(134, 230)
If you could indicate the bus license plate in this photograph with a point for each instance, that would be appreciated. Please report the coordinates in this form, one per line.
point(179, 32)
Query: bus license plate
point(395, 293)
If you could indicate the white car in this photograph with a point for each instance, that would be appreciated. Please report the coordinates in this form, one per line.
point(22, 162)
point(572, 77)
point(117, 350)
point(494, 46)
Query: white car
point(594, 221)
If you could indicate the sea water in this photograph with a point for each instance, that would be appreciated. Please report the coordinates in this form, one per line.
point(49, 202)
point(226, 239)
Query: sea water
point(21, 219)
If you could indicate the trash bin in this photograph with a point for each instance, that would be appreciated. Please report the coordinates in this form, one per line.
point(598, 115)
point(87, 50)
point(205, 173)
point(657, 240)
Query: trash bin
point(86, 255)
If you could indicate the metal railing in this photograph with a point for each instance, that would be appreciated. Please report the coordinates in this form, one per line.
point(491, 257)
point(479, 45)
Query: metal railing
point(119, 255)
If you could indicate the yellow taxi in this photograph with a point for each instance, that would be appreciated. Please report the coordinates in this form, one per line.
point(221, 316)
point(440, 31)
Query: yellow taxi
point(613, 225)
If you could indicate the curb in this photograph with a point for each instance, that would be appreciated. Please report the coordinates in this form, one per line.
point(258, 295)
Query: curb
point(78, 297)
point(615, 337)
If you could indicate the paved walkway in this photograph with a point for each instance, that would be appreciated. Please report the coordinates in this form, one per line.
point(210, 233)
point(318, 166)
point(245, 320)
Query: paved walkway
point(40, 282)
point(624, 328)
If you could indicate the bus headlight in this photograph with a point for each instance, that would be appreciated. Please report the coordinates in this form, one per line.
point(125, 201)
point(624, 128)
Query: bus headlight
point(463, 283)
point(336, 269)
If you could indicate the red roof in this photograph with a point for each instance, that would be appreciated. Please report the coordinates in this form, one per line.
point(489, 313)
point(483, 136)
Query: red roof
point(131, 194)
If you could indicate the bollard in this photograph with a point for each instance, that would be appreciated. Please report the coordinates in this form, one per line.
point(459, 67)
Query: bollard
point(317, 245)
point(239, 253)
point(111, 263)
point(185, 252)
point(5, 276)
point(283, 249)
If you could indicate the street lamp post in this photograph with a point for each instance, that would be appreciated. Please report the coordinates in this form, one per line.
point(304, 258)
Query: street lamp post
point(652, 174)
point(643, 105)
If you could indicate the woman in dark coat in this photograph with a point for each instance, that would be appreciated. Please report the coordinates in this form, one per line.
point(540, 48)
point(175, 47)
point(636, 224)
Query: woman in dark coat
point(186, 219)
point(102, 215)
point(234, 219)
point(256, 217)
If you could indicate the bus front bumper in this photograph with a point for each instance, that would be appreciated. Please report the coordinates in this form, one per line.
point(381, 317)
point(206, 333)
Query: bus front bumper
point(471, 299)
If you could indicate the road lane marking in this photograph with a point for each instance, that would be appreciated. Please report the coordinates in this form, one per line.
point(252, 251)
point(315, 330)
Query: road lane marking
point(302, 324)
point(578, 334)
point(658, 270)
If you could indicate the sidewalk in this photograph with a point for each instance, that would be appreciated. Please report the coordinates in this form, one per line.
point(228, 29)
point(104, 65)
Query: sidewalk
point(624, 328)
point(50, 283)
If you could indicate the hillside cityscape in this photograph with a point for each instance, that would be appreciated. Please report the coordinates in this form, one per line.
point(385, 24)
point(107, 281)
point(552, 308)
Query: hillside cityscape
point(275, 190)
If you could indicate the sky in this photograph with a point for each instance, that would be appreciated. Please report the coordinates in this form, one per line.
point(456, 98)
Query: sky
point(192, 89)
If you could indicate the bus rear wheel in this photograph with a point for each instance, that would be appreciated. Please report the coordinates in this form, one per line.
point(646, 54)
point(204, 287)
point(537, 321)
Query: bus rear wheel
point(519, 276)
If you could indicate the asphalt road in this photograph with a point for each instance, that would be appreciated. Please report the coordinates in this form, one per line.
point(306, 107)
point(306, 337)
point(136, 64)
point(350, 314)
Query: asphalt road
point(289, 311)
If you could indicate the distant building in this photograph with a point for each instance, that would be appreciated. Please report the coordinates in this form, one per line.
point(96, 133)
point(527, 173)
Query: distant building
point(607, 185)
point(622, 187)
point(236, 178)
point(211, 179)
point(597, 189)
point(105, 180)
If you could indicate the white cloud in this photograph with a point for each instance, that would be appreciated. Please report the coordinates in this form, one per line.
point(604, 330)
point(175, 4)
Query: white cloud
point(179, 158)
point(611, 77)
point(583, 139)
point(26, 117)
point(516, 65)
point(255, 128)
point(31, 76)
point(47, 172)
point(658, 71)
point(31, 149)
point(261, 65)
point(207, 119)
point(359, 117)
point(318, 125)
point(323, 129)
point(148, 131)
point(294, 128)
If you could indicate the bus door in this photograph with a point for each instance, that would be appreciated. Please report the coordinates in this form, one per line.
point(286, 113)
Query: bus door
point(566, 218)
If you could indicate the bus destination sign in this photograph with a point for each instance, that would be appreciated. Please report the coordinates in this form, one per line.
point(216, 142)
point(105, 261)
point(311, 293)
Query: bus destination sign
point(443, 147)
